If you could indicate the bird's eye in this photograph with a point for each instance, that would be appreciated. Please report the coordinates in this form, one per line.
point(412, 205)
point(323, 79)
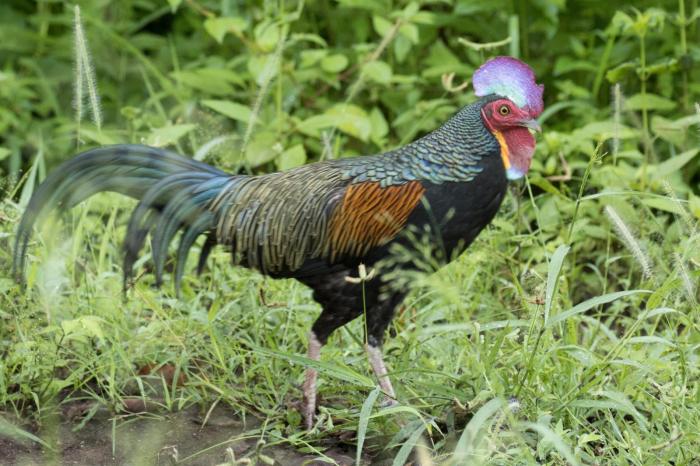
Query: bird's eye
point(504, 110)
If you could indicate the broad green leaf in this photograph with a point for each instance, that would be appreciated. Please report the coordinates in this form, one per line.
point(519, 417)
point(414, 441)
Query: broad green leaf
point(161, 137)
point(210, 81)
point(334, 63)
point(267, 35)
point(312, 125)
point(309, 58)
point(664, 129)
point(601, 130)
point(352, 120)
point(263, 67)
point(545, 184)
point(673, 164)
point(620, 72)
point(401, 48)
point(219, 27)
point(174, 5)
point(232, 110)
point(674, 131)
point(665, 204)
point(410, 32)
point(348, 118)
point(694, 205)
point(4, 153)
point(649, 102)
point(567, 64)
point(378, 71)
point(295, 156)
point(369, 5)
point(102, 137)
point(381, 25)
point(380, 128)
point(262, 148)
point(83, 326)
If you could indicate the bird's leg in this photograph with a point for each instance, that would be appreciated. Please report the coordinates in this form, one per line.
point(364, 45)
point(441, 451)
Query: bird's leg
point(374, 354)
point(310, 377)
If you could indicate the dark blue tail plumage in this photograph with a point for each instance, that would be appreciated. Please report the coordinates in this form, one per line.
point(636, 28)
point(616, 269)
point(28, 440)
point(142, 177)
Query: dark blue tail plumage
point(173, 193)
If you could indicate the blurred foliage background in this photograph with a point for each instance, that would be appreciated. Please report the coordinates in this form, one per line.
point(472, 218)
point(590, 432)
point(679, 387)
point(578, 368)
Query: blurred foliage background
point(257, 86)
point(287, 82)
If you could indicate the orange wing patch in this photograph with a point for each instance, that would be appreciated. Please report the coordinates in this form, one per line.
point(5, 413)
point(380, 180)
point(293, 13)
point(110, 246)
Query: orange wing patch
point(369, 216)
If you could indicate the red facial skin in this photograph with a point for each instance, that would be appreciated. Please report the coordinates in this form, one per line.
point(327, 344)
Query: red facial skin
point(509, 124)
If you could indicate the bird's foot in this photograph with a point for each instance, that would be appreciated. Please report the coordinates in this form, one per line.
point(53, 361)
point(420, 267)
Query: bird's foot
point(388, 402)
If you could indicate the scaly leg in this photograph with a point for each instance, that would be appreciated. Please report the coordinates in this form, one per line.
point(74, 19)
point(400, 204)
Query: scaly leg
point(310, 377)
point(374, 354)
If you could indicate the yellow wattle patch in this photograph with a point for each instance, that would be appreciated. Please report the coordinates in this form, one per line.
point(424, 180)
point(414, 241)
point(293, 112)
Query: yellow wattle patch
point(504, 148)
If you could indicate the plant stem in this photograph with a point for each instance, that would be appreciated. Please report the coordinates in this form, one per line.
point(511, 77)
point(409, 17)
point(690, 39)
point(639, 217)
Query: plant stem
point(594, 158)
point(603, 65)
point(645, 111)
point(682, 22)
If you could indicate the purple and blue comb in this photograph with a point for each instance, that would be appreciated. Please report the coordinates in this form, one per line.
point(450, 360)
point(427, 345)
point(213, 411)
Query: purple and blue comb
point(510, 78)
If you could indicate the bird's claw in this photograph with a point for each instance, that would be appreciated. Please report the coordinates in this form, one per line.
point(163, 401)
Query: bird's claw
point(388, 402)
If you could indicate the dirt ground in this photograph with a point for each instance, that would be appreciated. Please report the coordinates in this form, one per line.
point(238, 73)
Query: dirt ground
point(174, 438)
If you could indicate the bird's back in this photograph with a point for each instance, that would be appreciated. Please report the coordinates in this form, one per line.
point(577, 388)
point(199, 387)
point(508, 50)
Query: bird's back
point(316, 218)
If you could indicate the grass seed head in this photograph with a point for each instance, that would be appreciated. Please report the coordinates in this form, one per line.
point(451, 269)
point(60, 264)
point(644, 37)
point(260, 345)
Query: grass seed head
point(630, 241)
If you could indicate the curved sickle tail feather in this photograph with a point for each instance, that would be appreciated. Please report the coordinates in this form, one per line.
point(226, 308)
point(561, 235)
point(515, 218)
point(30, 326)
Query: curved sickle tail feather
point(173, 192)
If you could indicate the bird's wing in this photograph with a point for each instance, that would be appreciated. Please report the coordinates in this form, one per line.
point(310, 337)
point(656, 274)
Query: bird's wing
point(295, 221)
point(369, 215)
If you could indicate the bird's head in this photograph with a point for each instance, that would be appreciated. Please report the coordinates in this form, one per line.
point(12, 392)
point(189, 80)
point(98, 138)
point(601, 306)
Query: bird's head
point(510, 113)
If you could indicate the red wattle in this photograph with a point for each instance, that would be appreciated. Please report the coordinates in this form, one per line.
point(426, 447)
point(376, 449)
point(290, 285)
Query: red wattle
point(521, 147)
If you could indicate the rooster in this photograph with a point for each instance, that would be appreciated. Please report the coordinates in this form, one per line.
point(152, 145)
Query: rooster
point(320, 222)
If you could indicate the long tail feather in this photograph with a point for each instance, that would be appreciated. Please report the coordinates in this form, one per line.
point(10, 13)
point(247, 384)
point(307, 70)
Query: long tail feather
point(173, 192)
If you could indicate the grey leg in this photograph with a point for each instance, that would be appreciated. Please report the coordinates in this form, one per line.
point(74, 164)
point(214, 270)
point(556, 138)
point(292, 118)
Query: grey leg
point(374, 354)
point(310, 377)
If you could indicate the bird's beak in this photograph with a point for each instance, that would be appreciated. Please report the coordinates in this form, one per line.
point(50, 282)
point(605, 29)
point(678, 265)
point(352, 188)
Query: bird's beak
point(531, 124)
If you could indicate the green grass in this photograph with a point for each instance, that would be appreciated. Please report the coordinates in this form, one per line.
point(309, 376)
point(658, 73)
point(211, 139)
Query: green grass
point(612, 381)
point(580, 300)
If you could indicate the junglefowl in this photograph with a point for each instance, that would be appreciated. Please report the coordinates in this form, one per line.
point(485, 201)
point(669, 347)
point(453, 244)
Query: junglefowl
point(318, 223)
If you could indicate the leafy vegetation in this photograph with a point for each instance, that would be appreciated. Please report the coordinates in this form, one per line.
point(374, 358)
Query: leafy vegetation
point(580, 302)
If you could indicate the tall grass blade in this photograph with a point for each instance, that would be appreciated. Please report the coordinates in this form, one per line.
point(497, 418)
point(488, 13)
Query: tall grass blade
point(342, 373)
point(31, 180)
point(590, 304)
point(552, 438)
point(9, 430)
point(407, 447)
point(472, 439)
point(364, 421)
point(553, 273)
